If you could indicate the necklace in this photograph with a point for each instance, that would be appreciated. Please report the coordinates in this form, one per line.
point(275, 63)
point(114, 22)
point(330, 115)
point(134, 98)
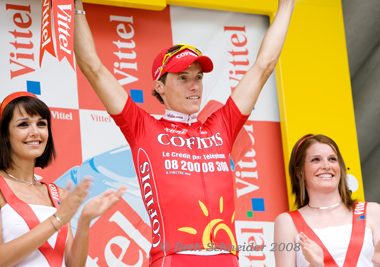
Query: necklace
point(326, 207)
point(11, 177)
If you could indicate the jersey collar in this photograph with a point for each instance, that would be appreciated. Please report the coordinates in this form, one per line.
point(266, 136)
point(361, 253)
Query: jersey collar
point(176, 116)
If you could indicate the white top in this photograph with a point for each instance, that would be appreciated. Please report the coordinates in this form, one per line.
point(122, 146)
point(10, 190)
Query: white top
point(13, 226)
point(336, 240)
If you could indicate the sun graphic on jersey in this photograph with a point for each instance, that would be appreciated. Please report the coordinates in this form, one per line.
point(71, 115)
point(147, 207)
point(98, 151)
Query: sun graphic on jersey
point(214, 226)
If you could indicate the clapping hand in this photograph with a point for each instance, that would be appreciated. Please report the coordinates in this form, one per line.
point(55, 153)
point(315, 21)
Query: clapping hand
point(100, 204)
point(312, 252)
point(72, 199)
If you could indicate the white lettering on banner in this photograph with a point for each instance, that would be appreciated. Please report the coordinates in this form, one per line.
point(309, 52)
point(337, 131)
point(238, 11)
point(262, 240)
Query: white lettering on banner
point(254, 237)
point(101, 118)
point(126, 55)
point(239, 53)
point(62, 115)
point(45, 38)
point(22, 59)
point(122, 243)
point(92, 262)
point(359, 208)
point(147, 193)
point(63, 28)
point(191, 142)
point(246, 172)
point(53, 192)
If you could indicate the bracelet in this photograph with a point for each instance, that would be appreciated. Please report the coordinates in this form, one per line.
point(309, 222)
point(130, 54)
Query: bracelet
point(80, 12)
point(57, 218)
point(55, 227)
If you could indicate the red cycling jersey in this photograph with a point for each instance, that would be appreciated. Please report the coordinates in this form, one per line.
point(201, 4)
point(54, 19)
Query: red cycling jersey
point(185, 177)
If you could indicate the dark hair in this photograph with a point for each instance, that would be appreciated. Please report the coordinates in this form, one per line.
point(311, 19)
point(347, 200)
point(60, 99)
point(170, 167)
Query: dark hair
point(155, 93)
point(32, 106)
point(296, 170)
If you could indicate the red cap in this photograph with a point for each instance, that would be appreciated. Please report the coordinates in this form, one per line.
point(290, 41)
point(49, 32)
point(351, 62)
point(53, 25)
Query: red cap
point(12, 97)
point(179, 62)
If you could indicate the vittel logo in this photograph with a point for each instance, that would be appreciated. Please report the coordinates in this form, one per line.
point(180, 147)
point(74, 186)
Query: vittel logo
point(191, 142)
point(21, 57)
point(54, 192)
point(359, 208)
point(185, 54)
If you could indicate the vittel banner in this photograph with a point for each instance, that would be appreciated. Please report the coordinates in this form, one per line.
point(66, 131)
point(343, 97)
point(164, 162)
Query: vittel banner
point(36, 57)
point(32, 58)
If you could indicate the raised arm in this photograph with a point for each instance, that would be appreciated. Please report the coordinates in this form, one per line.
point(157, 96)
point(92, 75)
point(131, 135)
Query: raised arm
point(108, 89)
point(249, 88)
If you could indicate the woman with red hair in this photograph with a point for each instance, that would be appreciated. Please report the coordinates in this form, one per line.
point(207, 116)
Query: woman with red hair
point(329, 228)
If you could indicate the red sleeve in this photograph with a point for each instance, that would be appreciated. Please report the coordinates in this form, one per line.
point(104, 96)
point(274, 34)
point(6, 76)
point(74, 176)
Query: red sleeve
point(132, 120)
point(229, 118)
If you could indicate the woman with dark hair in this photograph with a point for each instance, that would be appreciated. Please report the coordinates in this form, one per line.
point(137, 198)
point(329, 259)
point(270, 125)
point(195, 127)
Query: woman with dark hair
point(329, 228)
point(34, 221)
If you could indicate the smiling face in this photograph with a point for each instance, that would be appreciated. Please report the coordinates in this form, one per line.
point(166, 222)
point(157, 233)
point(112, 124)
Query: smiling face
point(321, 168)
point(182, 92)
point(28, 135)
point(316, 163)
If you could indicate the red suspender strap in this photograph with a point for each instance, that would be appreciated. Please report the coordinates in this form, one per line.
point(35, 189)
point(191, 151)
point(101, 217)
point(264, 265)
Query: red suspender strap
point(357, 234)
point(302, 226)
point(53, 255)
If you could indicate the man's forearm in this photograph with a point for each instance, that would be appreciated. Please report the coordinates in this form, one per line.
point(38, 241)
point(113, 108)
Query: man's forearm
point(84, 46)
point(274, 39)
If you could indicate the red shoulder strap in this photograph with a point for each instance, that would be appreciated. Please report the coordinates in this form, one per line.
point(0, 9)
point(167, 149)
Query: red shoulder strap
point(302, 226)
point(357, 234)
point(7, 192)
point(54, 194)
point(53, 255)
